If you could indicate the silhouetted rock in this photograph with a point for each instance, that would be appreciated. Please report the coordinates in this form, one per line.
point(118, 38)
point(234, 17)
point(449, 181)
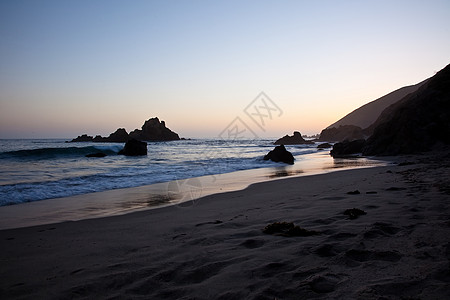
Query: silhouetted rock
point(134, 148)
point(82, 138)
point(347, 148)
point(99, 139)
point(119, 136)
point(417, 122)
point(295, 139)
point(324, 146)
point(342, 133)
point(280, 154)
point(355, 192)
point(98, 154)
point(154, 130)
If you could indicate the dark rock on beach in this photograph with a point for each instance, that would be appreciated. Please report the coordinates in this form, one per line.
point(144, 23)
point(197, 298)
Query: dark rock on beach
point(348, 148)
point(280, 154)
point(295, 139)
point(324, 146)
point(134, 148)
point(287, 229)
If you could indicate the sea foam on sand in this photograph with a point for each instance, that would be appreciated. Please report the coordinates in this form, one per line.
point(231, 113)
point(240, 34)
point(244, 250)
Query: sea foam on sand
point(216, 248)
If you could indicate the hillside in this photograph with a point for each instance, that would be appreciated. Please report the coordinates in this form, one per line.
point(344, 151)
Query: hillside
point(367, 114)
point(417, 122)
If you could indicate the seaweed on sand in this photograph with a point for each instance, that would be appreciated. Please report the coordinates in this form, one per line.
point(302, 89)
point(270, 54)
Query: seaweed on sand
point(287, 229)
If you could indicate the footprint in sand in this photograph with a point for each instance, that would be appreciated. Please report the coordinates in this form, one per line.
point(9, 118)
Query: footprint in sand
point(365, 255)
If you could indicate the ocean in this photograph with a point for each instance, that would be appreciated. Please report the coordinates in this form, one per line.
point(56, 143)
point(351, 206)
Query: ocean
point(35, 170)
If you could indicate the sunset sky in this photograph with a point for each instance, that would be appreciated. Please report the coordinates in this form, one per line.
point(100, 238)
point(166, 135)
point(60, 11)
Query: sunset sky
point(73, 67)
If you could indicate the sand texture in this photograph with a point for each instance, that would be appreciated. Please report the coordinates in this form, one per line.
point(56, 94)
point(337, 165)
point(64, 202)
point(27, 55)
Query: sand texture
point(215, 247)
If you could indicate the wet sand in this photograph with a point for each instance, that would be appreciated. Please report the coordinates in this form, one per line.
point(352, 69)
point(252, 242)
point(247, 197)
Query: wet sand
point(214, 247)
point(122, 201)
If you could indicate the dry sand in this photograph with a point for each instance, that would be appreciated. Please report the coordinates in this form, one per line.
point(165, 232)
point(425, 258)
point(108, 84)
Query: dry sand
point(214, 248)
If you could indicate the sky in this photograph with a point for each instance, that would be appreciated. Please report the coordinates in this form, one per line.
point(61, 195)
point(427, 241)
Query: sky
point(73, 67)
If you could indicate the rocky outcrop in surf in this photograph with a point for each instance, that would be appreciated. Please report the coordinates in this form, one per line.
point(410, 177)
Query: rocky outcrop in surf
point(152, 130)
point(280, 154)
point(295, 139)
point(348, 148)
point(134, 148)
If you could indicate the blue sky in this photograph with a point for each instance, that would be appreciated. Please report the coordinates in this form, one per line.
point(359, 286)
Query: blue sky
point(72, 67)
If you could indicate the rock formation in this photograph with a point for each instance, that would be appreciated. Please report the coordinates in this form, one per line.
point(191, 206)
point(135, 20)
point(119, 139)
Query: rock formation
point(152, 130)
point(280, 154)
point(324, 146)
point(342, 133)
point(347, 148)
point(134, 148)
point(83, 138)
point(295, 139)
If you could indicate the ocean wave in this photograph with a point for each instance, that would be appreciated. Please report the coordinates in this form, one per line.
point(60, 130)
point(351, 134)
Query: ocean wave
point(50, 153)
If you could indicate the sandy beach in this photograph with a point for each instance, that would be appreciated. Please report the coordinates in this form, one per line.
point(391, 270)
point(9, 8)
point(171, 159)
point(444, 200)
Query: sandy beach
point(215, 247)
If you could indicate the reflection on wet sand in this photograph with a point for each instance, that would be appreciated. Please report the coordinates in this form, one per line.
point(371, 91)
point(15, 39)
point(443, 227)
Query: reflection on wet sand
point(284, 173)
point(352, 162)
point(151, 201)
point(320, 164)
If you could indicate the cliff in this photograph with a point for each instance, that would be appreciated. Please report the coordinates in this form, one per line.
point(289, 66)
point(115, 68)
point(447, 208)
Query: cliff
point(417, 122)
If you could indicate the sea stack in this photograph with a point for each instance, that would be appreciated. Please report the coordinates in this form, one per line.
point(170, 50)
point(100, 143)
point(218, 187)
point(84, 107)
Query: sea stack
point(153, 130)
point(280, 154)
point(295, 139)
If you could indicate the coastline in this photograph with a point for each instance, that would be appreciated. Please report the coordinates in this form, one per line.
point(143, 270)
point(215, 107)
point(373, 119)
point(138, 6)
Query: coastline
point(153, 196)
point(216, 249)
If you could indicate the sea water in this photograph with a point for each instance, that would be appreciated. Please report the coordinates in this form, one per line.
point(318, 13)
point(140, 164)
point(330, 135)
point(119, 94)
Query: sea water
point(34, 170)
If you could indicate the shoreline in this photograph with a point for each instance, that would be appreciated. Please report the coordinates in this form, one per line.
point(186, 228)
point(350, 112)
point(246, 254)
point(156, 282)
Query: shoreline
point(216, 249)
point(158, 195)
